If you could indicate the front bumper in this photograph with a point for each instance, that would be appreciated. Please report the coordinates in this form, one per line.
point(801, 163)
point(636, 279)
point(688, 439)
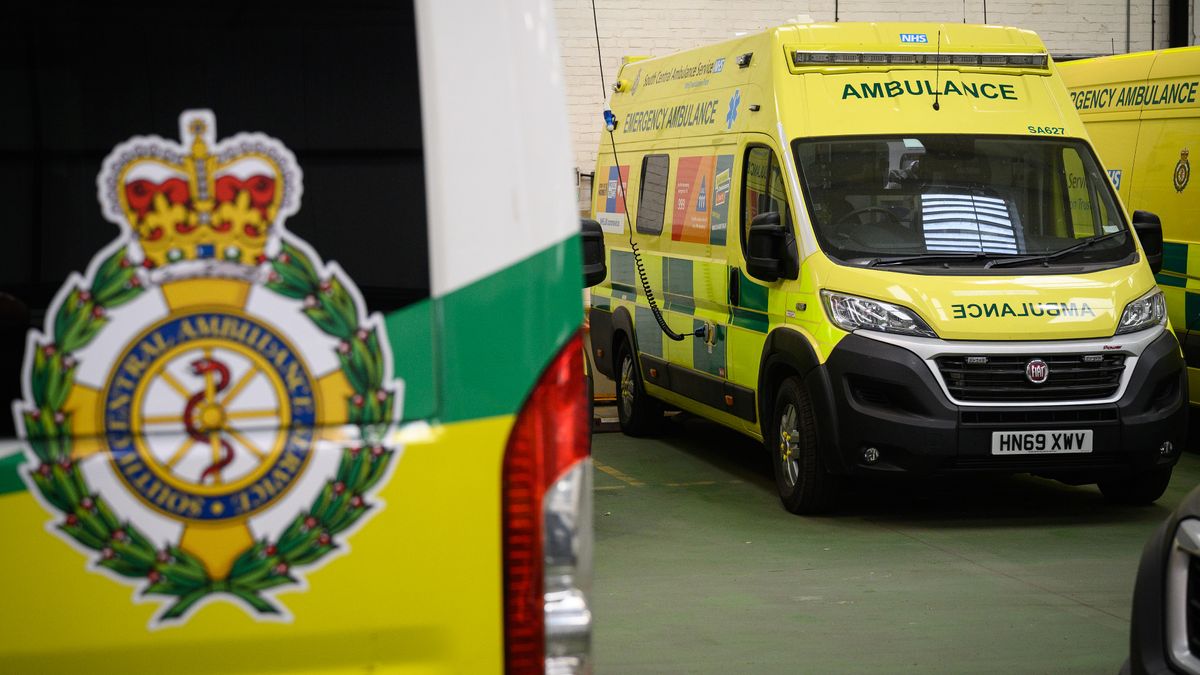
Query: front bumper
point(871, 393)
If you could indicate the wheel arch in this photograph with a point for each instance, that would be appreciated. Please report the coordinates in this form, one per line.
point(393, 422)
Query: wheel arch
point(622, 329)
point(788, 353)
point(608, 328)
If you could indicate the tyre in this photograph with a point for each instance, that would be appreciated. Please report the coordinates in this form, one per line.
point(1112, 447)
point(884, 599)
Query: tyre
point(1137, 489)
point(637, 412)
point(804, 485)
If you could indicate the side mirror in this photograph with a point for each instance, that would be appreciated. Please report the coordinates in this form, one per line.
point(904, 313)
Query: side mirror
point(1149, 233)
point(771, 252)
point(594, 267)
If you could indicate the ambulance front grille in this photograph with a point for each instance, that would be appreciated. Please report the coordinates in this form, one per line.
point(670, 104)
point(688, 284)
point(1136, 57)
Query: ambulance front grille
point(1071, 377)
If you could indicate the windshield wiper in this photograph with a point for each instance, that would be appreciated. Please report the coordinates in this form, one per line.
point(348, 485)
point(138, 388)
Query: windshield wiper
point(926, 257)
point(1053, 255)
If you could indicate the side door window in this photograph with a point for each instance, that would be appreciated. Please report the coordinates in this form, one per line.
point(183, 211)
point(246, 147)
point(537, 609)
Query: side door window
point(763, 188)
point(1078, 196)
point(1088, 215)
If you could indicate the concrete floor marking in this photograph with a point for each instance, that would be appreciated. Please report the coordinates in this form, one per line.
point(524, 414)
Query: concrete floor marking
point(618, 474)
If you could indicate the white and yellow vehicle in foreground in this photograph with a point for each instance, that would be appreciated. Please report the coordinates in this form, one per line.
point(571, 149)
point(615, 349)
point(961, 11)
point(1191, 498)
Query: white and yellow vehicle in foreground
point(885, 248)
point(1142, 112)
point(235, 455)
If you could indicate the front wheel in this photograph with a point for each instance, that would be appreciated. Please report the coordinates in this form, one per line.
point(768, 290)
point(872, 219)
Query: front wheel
point(804, 485)
point(1138, 489)
point(638, 413)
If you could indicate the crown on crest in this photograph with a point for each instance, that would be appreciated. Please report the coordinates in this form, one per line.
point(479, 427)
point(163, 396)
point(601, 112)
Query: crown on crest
point(200, 200)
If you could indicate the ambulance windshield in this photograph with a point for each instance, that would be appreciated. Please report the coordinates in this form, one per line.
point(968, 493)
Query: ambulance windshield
point(961, 200)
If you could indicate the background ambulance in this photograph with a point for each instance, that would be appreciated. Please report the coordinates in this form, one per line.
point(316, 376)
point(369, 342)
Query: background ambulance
point(1142, 112)
point(885, 248)
point(240, 455)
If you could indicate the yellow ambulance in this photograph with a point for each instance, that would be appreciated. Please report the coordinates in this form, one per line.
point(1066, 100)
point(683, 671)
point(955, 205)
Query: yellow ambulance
point(882, 248)
point(1142, 112)
point(292, 342)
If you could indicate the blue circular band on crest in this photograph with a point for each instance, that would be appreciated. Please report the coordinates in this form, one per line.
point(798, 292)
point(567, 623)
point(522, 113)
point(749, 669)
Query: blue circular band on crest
point(180, 330)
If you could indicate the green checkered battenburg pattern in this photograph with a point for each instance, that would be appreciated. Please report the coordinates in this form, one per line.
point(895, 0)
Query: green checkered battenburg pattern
point(679, 283)
point(751, 311)
point(698, 290)
point(1180, 281)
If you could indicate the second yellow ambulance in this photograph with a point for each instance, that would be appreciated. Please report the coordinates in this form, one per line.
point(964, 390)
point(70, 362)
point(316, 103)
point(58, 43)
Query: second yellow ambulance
point(1143, 113)
point(882, 249)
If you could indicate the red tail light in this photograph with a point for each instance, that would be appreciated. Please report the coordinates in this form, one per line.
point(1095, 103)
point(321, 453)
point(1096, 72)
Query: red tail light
point(551, 435)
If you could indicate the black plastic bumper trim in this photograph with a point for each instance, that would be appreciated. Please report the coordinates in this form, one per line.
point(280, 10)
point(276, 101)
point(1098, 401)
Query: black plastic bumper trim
point(884, 396)
point(700, 387)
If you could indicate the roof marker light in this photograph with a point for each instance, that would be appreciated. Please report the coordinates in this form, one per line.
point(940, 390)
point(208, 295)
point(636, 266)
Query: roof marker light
point(824, 58)
point(1027, 60)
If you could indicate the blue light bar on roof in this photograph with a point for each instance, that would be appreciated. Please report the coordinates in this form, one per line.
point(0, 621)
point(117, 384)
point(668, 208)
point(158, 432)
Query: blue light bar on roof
point(827, 58)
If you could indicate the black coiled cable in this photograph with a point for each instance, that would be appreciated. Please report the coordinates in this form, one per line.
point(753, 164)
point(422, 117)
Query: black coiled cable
point(637, 256)
point(637, 259)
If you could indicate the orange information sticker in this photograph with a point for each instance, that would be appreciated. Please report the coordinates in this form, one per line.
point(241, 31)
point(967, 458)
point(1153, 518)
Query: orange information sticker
point(693, 187)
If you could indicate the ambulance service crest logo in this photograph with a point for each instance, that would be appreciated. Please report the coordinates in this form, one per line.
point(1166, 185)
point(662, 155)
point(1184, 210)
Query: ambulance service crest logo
point(207, 410)
point(1183, 171)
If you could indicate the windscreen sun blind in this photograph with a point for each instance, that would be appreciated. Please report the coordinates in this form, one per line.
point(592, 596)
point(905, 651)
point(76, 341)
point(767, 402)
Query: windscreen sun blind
point(967, 224)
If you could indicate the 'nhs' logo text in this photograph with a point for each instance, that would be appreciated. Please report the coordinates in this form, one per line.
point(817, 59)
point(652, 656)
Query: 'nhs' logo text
point(914, 37)
point(1115, 176)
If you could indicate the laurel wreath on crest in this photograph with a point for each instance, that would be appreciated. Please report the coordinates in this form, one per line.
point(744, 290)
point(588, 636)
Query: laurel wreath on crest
point(171, 571)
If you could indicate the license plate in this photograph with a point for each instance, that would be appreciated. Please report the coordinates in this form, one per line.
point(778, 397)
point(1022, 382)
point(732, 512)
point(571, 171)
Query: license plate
point(1041, 442)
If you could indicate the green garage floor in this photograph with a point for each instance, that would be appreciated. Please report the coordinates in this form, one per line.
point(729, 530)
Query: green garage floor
point(699, 568)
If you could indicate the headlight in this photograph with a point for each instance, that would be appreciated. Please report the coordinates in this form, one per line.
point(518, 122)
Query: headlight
point(851, 313)
point(1148, 310)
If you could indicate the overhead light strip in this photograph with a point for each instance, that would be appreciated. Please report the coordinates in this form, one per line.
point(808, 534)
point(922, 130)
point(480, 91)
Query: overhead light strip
point(1037, 61)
